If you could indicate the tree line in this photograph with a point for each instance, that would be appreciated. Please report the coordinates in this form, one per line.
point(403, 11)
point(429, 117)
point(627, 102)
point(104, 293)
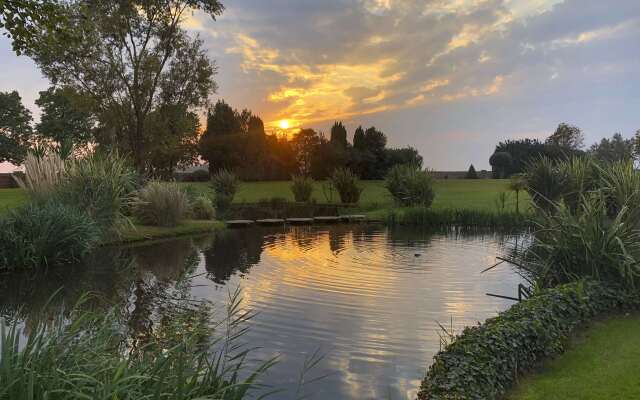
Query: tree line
point(512, 156)
point(236, 140)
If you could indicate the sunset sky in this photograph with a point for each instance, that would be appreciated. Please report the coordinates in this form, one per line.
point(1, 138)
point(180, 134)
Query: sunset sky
point(451, 78)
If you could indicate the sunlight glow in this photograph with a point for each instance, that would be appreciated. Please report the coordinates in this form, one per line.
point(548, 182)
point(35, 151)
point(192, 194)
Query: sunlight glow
point(284, 124)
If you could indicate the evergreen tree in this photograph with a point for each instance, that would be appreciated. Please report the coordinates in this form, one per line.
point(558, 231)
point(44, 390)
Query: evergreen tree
point(471, 173)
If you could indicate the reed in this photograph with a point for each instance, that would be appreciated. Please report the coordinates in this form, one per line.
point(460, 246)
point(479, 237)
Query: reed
point(160, 204)
point(42, 174)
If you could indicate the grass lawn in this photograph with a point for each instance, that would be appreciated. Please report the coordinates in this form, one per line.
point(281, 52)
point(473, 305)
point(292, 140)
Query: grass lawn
point(10, 198)
point(601, 364)
point(478, 194)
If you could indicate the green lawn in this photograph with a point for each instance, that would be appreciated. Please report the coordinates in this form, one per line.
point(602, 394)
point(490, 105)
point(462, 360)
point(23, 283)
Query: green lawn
point(10, 198)
point(478, 194)
point(601, 364)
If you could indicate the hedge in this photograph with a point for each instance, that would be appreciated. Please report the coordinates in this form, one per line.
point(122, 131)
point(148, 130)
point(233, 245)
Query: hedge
point(484, 361)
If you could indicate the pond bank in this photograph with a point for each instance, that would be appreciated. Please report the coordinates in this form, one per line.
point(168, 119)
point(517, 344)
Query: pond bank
point(142, 233)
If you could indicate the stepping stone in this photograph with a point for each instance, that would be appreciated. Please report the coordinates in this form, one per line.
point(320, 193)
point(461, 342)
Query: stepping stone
point(326, 219)
point(300, 221)
point(353, 218)
point(239, 223)
point(270, 221)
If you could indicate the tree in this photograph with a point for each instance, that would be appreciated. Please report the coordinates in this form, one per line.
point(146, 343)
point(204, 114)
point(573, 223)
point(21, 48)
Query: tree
point(358, 139)
point(500, 162)
point(305, 144)
point(471, 173)
point(15, 128)
point(518, 183)
point(339, 135)
point(405, 155)
point(615, 149)
point(223, 120)
point(567, 136)
point(375, 140)
point(23, 20)
point(129, 57)
point(63, 120)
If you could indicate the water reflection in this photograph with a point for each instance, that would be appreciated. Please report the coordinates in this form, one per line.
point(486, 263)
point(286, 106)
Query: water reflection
point(367, 296)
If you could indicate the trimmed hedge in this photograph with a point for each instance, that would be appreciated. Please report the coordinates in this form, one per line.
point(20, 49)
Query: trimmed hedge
point(485, 360)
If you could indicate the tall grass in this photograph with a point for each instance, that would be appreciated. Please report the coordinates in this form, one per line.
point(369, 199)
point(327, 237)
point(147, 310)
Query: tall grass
point(410, 185)
point(202, 208)
point(569, 246)
point(160, 204)
point(43, 174)
point(463, 218)
point(347, 185)
point(42, 234)
point(88, 357)
point(100, 184)
point(302, 188)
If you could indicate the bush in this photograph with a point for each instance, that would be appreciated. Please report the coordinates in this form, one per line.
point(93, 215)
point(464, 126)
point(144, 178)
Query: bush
point(44, 234)
point(620, 183)
point(302, 188)
point(586, 244)
point(161, 204)
point(485, 360)
point(410, 186)
point(347, 185)
point(202, 208)
point(225, 185)
point(101, 185)
point(579, 177)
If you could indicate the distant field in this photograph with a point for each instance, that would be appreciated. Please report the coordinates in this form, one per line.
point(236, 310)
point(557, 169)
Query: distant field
point(478, 194)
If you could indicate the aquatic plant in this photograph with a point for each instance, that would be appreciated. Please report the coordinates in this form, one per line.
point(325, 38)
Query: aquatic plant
point(347, 185)
point(160, 204)
point(302, 188)
point(47, 233)
point(225, 185)
point(410, 185)
point(87, 356)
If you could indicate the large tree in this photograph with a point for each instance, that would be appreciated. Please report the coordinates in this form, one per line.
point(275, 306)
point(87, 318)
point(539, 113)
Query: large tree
point(15, 128)
point(64, 119)
point(130, 57)
point(338, 135)
point(567, 137)
point(615, 149)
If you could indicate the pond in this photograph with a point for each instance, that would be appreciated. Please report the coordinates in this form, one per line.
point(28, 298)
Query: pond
point(367, 297)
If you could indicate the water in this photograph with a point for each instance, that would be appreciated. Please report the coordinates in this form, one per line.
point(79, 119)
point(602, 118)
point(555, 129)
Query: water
point(367, 297)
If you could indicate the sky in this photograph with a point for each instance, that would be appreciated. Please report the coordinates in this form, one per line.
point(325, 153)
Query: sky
point(451, 78)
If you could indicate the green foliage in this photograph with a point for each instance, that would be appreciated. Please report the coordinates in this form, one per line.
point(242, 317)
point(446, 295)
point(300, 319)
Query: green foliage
point(517, 183)
point(586, 244)
point(302, 188)
point(15, 127)
point(579, 177)
point(99, 184)
point(86, 356)
point(567, 137)
point(545, 183)
point(410, 186)
point(620, 183)
point(202, 208)
point(43, 175)
point(501, 162)
point(339, 135)
point(225, 185)
point(484, 361)
point(612, 150)
point(160, 204)
point(347, 185)
point(44, 234)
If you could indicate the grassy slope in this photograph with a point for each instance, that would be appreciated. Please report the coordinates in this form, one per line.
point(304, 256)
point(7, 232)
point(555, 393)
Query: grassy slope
point(602, 364)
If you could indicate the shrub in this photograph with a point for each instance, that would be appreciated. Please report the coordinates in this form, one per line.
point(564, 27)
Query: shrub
point(485, 360)
point(302, 188)
point(225, 185)
point(620, 183)
point(410, 186)
point(161, 204)
point(545, 182)
point(587, 244)
point(579, 177)
point(43, 234)
point(202, 208)
point(347, 185)
point(101, 185)
point(42, 174)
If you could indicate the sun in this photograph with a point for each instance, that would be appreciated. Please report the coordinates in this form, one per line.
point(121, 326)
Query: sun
point(284, 124)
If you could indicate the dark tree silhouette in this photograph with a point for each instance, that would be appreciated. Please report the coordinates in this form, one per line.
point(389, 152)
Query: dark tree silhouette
point(339, 135)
